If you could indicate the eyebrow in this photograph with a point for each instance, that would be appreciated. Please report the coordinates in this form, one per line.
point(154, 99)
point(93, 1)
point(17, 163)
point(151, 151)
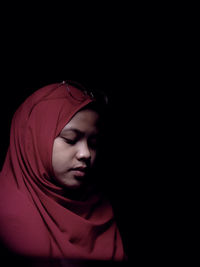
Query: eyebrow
point(77, 131)
point(73, 130)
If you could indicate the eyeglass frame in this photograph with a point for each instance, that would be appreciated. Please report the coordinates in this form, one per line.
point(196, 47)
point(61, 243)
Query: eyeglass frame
point(85, 91)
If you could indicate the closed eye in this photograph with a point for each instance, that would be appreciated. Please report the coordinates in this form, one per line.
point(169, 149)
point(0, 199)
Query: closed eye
point(70, 141)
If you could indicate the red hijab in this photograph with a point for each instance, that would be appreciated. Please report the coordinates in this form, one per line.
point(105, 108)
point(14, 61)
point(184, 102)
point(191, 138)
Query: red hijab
point(36, 217)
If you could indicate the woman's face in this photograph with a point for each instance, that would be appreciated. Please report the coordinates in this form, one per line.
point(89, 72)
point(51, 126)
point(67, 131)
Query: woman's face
point(74, 150)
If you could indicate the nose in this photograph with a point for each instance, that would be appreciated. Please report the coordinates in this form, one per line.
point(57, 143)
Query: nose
point(83, 152)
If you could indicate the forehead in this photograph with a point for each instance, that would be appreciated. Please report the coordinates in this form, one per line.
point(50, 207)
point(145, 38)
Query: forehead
point(84, 120)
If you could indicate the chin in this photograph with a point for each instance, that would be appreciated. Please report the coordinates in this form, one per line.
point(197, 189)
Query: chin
point(75, 185)
point(69, 182)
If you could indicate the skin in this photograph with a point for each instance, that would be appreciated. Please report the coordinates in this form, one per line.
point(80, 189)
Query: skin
point(76, 146)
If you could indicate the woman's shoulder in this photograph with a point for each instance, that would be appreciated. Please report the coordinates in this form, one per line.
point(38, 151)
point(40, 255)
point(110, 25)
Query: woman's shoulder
point(14, 203)
point(21, 226)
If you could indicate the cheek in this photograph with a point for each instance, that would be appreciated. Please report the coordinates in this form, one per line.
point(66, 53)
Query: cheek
point(58, 163)
point(60, 157)
point(93, 157)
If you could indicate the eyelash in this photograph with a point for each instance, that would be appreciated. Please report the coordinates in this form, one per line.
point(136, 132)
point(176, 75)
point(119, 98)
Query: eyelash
point(69, 141)
point(92, 144)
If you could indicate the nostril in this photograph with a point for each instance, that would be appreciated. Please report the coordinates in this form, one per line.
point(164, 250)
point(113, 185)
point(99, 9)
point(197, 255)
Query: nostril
point(86, 161)
point(83, 152)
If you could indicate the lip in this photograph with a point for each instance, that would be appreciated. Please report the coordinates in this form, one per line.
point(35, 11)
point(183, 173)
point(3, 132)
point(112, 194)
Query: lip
point(79, 171)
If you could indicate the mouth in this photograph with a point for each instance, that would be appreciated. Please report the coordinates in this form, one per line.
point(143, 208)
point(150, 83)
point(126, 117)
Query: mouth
point(79, 171)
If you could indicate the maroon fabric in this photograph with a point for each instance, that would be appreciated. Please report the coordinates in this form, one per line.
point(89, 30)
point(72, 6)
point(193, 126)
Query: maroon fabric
point(36, 218)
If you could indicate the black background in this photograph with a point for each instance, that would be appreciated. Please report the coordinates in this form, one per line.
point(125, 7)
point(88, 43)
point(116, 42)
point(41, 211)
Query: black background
point(129, 58)
point(133, 160)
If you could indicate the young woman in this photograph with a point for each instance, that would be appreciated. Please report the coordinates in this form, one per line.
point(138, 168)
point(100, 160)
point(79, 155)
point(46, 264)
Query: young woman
point(50, 205)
